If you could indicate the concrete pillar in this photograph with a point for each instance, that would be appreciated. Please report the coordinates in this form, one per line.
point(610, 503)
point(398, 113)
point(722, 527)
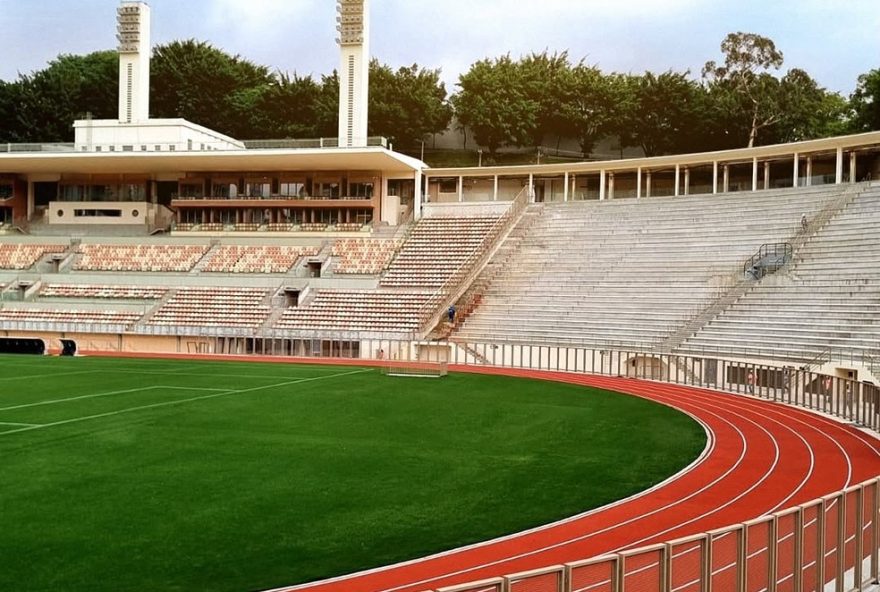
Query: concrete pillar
point(495, 189)
point(852, 167)
point(677, 176)
point(638, 182)
point(601, 185)
point(648, 184)
point(725, 183)
point(531, 188)
point(460, 188)
point(611, 186)
point(809, 172)
point(687, 181)
point(755, 173)
point(795, 170)
point(767, 175)
point(838, 169)
point(714, 176)
point(565, 190)
point(417, 195)
point(30, 199)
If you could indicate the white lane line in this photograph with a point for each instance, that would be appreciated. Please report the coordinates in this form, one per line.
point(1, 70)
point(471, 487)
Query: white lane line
point(79, 398)
point(47, 373)
point(15, 423)
point(178, 402)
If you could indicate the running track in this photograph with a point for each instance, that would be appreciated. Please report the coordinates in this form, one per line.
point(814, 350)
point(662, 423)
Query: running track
point(761, 457)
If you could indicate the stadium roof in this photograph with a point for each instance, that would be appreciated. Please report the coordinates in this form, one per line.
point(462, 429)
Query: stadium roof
point(318, 159)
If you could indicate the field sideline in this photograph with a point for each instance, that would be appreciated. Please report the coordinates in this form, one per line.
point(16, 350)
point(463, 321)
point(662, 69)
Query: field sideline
point(171, 475)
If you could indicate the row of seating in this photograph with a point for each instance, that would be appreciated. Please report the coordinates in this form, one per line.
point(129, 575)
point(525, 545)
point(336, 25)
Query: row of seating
point(153, 257)
point(101, 292)
point(376, 311)
point(257, 258)
point(363, 255)
point(214, 307)
point(25, 255)
point(41, 315)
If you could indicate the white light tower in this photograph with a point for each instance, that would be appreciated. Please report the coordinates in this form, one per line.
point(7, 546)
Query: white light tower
point(133, 33)
point(354, 70)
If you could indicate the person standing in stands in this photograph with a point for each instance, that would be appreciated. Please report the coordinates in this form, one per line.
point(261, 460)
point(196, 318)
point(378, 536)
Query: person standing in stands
point(451, 313)
point(751, 380)
point(804, 222)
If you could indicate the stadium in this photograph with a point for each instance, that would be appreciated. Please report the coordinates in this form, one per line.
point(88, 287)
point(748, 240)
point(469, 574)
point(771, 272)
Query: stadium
point(324, 365)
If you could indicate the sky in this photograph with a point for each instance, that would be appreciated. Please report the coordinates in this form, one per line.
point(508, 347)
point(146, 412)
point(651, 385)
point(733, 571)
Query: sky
point(833, 40)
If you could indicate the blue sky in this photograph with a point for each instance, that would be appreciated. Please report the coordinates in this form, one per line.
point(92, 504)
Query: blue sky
point(833, 40)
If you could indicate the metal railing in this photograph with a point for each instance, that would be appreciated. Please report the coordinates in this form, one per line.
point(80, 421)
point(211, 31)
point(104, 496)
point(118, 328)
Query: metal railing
point(770, 258)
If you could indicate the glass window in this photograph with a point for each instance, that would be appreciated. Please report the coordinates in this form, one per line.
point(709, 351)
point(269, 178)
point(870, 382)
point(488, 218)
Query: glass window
point(72, 193)
point(261, 189)
point(225, 190)
point(292, 189)
point(360, 190)
point(192, 190)
point(6, 191)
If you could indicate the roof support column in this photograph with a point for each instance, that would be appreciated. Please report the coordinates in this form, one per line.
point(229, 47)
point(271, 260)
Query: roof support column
point(677, 176)
point(838, 169)
point(754, 173)
point(687, 181)
point(461, 188)
point(795, 173)
point(638, 182)
point(610, 185)
point(495, 189)
point(565, 189)
point(767, 174)
point(417, 195)
point(725, 183)
point(648, 184)
point(809, 174)
point(714, 177)
point(601, 185)
point(531, 195)
point(852, 167)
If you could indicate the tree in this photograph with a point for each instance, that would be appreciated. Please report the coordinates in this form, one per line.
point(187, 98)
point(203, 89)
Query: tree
point(286, 108)
point(808, 110)
point(196, 81)
point(543, 77)
point(665, 115)
point(591, 104)
point(42, 106)
point(408, 104)
point(747, 57)
point(865, 102)
point(493, 105)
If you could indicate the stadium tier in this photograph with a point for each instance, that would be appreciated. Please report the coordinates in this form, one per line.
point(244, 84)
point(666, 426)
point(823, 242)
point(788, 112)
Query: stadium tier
point(145, 258)
point(23, 256)
point(363, 256)
point(256, 258)
point(213, 307)
point(86, 292)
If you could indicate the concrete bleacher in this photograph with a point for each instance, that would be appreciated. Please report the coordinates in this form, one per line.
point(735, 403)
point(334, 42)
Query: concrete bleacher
point(257, 258)
point(435, 249)
point(345, 311)
point(827, 301)
point(630, 272)
point(214, 307)
point(363, 256)
point(138, 257)
point(25, 255)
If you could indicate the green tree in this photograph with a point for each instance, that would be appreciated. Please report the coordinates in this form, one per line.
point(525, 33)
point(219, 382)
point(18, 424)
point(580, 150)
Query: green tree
point(198, 82)
point(744, 79)
point(808, 110)
point(665, 113)
point(286, 108)
point(591, 104)
point(865, 102)
point(408, 104)
point(42, 106)
point(494, 107)
point(543, 78)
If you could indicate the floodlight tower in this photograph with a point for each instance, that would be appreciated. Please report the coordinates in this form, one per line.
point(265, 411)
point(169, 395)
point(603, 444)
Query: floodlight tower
point(354, 70)
point(133, 34)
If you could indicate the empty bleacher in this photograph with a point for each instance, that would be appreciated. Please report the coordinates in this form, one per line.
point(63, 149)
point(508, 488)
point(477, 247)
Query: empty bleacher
point(346, 311)
point(829, 301)
point(437, 248)
point(630, 272)
point(363, 256)
point(102, 292)
point(257, 258)
point(25, 255)
point(138, 258)
point(214, 307)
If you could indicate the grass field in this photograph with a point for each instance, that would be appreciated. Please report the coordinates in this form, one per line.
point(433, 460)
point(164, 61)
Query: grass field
point(162, 475)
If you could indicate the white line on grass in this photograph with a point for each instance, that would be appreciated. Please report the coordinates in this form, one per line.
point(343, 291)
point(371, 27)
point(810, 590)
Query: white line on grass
point(79, 398)
point(15, 423)
point(44, 374)
point(179, 401)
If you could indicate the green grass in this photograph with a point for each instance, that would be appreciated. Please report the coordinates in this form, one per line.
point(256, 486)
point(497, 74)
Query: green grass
point(314, 471)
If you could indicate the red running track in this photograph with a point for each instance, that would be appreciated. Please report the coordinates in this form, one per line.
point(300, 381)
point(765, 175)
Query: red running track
point(761, 457)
